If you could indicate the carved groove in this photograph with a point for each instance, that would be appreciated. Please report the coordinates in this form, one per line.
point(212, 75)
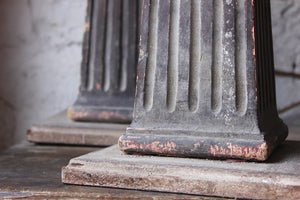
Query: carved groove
point(108, 45)
point(270, 73)
point(217, 63)
point(108, 69)
point(124, 43)
point(91, 67)
point(172, 79)
point(240, 56)
point(152, 51)
point(267, 62)
point(271, 58)
point(264, 57)
point(195, 51)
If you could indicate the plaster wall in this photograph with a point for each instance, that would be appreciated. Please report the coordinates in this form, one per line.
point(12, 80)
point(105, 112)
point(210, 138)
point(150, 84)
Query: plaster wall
point(40, 54)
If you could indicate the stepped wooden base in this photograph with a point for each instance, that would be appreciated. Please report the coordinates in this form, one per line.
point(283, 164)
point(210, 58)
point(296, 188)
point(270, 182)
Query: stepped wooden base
point(279, 178)
point(59, 129)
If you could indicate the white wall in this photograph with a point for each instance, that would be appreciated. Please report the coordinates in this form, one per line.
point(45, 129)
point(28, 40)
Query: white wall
point(40, 53)
point(286, 39)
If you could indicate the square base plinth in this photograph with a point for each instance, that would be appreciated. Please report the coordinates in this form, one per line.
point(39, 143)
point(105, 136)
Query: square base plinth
point(59, 129)
point(279, 178)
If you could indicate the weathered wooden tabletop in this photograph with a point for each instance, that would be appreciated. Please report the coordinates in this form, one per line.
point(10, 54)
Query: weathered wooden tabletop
point(30, 171)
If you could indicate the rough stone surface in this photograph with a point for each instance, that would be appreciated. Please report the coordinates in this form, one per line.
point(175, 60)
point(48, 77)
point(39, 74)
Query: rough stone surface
point(277, 179)
point(44, 180)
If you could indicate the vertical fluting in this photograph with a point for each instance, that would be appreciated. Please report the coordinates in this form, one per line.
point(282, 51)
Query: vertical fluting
point(195, 52)
point(152, 54)
point(269, 63)
point(265, 65)
point(240, 58)
point(217, 63)
point(84, 70)
point(258, 56)
point(268, 51)
point(124, 44)
point(264, 57)
point(93, 35)
point(172, 79)
point(108, 44)
point(260, 49)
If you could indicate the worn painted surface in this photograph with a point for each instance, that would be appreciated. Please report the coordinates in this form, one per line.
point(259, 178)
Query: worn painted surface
point(108, 69)
point(44, 180)
point(59, 129)
point(254, 152)
point(42, 44)
point(195, 147)
point(278, 178)
point(206, 81)
point(90, 114)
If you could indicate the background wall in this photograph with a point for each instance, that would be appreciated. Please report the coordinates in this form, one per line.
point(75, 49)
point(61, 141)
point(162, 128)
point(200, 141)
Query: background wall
point(40, 53)
point(286, 39)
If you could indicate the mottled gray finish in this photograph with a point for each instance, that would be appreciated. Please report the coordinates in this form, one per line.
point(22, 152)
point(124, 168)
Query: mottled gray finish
point(59, 129)
point(108, 68)
point(44, 181)
point(206, 70)
point(220, 55)
point(41, 46)
point(277, 179)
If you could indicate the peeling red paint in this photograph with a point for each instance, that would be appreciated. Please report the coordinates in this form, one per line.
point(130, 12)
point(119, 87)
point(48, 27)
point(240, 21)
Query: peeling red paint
point(106, 115)
point(161, 146)
point(196, 146)
point(110, 115)
point(87, 114)
point(86, 26)
point(74, 115)
point(253, 29)
point(253, 38)
point(133, 137)
point(155, 146)
point(257, 152)
point(98, 86)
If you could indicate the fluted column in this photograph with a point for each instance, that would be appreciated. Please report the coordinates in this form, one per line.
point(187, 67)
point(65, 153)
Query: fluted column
point(205, 82)
point(108, 70)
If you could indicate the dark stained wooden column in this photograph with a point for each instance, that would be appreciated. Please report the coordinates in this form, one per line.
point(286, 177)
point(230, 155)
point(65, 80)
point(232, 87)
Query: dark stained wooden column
point(108, 70)
point(205, 82)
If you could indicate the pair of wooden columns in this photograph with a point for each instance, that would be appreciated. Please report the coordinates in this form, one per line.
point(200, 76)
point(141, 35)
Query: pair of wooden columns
point(205, 77)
